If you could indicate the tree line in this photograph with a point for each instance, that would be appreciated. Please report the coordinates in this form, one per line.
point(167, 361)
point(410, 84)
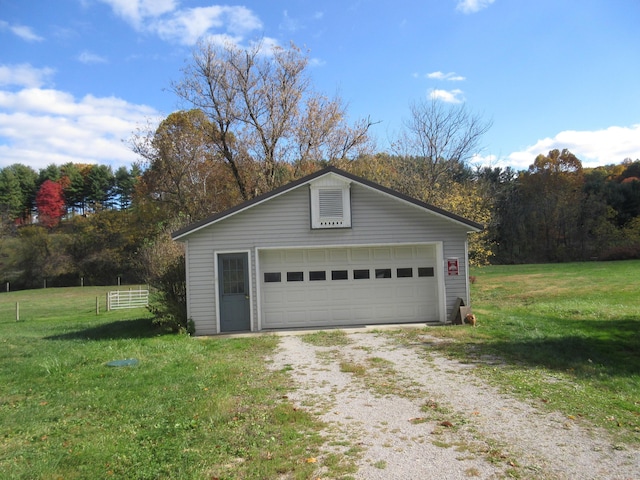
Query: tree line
point(253, 123)
point(63, 190)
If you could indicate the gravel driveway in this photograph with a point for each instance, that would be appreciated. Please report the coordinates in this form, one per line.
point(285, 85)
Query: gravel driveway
point(414, 414)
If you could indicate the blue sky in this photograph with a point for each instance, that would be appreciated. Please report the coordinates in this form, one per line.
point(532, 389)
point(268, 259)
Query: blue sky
point(77, 77)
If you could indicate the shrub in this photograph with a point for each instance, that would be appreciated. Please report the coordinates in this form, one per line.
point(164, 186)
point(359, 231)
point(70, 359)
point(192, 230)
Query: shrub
point(169, 302)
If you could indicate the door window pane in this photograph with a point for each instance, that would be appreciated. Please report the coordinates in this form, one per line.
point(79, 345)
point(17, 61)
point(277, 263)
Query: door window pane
point(233, 276)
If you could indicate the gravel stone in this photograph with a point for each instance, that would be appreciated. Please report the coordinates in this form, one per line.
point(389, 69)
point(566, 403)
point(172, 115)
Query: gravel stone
point(428, 417)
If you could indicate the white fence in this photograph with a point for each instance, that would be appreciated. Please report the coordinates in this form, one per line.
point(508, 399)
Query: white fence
point(119, 299)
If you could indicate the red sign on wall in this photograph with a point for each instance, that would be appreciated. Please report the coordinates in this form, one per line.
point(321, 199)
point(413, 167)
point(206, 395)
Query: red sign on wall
point(452, 266)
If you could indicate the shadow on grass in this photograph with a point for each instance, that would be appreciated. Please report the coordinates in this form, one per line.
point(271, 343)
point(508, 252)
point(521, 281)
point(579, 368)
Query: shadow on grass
point(585, 348)
point(122, 329)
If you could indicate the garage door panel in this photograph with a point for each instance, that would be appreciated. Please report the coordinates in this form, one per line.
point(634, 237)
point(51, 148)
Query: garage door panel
point(403, 253)
point(338, 256)
point(382, 254)
point(317, 256)
point(362, 255)
point(350, 301)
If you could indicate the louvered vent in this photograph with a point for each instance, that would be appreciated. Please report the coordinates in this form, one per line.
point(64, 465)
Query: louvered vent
point(330, 203)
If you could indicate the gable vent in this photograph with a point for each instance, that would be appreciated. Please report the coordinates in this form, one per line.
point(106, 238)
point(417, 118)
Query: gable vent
point(330, 203)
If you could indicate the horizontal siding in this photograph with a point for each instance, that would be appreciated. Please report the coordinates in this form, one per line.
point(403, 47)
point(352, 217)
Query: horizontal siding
point(285, 221)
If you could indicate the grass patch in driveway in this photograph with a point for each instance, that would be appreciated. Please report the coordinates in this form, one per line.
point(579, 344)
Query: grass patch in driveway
point(327, 338)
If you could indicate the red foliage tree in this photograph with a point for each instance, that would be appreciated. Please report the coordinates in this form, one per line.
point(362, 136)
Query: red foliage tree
point(50, 203)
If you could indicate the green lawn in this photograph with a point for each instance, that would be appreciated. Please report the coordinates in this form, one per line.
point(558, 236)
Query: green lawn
point(190, 408)
point(566, 337)
point(569, 333)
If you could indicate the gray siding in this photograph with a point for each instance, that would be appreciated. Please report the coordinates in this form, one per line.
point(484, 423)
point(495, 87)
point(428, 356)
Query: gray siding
point(285, 221)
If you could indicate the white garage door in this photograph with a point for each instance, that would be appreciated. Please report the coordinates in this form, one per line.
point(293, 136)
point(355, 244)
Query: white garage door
point(348, 286)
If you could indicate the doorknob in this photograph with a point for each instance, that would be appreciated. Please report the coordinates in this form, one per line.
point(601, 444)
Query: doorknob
point(247, 297)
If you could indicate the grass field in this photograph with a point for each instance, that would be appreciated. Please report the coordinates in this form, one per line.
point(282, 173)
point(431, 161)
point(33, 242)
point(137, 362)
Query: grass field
point(564, 336)
point(189, 408)
point(569, 335)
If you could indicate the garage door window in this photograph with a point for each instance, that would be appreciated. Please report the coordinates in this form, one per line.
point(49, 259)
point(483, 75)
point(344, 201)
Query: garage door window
point(317, 275)
point(404, 272)
point(272, 277)
point(383, 273)
point(361, 274)
point(295, 276)
point(425, 272)
point(339, 275)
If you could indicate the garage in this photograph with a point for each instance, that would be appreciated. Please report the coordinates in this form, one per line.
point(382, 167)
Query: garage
point(359, 285)
point(330, 249)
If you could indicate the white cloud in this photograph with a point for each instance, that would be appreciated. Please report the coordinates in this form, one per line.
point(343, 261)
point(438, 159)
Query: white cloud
point(43, 126)
point(480, 160)
point(91, 58)
point(447, 96)
point(187, 25)
point(24, 75)
point(451, 76)
point(472, 6)
point(136, 12)
point(25, 33)
point(593, 148)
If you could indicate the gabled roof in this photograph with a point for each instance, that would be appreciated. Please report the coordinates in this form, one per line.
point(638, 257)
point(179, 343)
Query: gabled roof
point(179, 234)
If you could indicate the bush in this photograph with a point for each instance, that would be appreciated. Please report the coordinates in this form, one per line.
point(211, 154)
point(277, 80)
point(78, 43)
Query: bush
point(169, 302)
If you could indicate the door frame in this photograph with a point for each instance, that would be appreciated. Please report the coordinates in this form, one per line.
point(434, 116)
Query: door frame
point(217, 280)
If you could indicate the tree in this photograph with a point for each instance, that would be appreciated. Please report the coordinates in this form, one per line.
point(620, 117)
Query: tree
point(51, 172)
point(185, 172)
point(17, 192)
point(99, 187)
point(439, 140)
point(73, 181)
point(263, 114)
point(125, 182)
point(552, 194)
point(50, 203)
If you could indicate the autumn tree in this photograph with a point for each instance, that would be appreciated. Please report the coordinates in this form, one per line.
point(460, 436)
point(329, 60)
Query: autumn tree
point(552, 198)
point(263, 114)
point(467, 198)
point(438, 140)
point(50, 203)
point(39, 256)
point(184, 172)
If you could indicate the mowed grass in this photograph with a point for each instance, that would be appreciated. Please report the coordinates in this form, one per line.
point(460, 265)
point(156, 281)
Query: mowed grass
point(190, 408)
point(566, 336)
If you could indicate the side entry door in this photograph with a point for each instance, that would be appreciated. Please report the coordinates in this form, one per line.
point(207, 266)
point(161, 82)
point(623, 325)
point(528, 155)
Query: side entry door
point(233, 275)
